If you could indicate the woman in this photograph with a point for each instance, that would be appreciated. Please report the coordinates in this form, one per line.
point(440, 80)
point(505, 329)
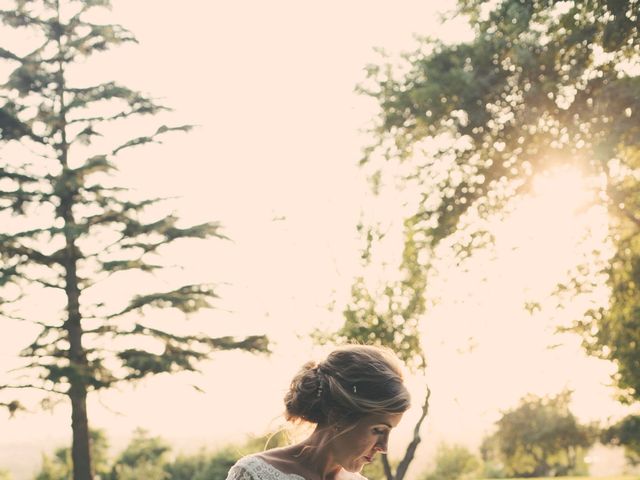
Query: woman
point(355, 397)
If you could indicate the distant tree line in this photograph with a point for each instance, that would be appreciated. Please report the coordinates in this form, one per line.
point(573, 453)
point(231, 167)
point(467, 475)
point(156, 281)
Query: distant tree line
point(539, 437)
point(151, 458)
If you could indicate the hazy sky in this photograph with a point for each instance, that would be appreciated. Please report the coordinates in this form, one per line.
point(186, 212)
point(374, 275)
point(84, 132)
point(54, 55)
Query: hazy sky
point(271, 85)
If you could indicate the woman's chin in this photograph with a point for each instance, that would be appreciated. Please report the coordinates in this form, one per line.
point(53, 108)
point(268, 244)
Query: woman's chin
point(357, 465)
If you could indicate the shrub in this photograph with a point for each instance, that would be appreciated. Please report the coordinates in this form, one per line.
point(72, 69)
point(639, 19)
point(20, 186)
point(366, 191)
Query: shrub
point(455, 462)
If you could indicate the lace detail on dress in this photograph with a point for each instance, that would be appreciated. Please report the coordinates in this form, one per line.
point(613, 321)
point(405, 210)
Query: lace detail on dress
point(255, 468)
point(238, 473)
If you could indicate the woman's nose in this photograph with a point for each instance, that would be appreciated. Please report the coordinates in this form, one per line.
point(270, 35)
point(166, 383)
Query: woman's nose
point(381, 445)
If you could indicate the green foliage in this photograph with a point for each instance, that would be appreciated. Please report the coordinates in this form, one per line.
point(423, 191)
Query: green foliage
point(572, 477)
point(625, 433)
point(388, 318)
point(387, 315)
point(149, 471)
point(144, 457)
point(214, 466)
point(455, 462)
point(5, 475)
point(375, 469)
point(59, 466)
point(150, 457)
point(540, 437)
point(612, 332)
point(542, 85)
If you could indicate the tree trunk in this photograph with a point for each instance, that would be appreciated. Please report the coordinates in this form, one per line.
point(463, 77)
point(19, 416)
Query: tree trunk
point(80, 451)
point(387, 468)
point(401, 471)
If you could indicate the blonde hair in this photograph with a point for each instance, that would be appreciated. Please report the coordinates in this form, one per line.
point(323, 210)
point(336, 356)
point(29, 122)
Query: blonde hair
point(352, 382)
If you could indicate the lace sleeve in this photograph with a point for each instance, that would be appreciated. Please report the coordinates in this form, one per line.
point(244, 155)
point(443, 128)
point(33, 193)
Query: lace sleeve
point(237, 472)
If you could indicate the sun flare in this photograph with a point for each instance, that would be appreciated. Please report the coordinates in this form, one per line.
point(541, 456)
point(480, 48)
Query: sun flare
point(564, 188)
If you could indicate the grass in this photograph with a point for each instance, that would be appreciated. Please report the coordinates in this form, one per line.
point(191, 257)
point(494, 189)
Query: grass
point(619, 477)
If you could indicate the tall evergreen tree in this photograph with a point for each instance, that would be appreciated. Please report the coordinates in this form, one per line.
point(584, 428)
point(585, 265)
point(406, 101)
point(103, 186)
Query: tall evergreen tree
point(67, 225)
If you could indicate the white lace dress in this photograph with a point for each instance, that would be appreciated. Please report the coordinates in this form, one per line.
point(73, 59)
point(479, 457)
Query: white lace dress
point(253, 467)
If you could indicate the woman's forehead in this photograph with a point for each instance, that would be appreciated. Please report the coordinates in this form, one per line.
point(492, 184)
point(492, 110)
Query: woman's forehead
point(388, 419)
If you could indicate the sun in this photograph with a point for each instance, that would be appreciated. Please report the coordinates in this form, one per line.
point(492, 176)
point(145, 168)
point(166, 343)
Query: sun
point(563, 190)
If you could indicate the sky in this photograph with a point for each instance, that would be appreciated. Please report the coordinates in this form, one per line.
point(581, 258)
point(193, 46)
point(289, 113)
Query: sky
point(274, 160)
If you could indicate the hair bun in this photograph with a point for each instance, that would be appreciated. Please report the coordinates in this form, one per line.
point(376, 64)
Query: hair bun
point(353, 381)
point(303, 401)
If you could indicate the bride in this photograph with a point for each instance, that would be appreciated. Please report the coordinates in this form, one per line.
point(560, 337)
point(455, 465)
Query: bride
point(355, 397)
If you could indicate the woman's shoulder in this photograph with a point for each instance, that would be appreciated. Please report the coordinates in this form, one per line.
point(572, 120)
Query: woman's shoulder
point(255, 467)
point(246, 461)
point(345, 475)
point(251, 463)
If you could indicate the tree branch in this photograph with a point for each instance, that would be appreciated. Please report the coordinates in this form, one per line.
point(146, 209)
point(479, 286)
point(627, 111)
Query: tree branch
point(22, 319)
point(32, 254)
point(387, 468)
point(13, 407)
point(187, 299)
point(31, 387)
point(411, 449)
point(44, 283)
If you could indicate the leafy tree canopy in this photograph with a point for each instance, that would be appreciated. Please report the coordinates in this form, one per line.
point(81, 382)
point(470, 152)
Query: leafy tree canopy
point(625, 433)
point(542, 85)
point(539, 438)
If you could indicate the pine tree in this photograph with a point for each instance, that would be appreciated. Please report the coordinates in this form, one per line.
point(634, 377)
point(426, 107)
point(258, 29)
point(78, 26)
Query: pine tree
point(67, 225)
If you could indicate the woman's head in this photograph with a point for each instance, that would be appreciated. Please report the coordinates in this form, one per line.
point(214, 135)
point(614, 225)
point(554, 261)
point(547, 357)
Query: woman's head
point(353, 382)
